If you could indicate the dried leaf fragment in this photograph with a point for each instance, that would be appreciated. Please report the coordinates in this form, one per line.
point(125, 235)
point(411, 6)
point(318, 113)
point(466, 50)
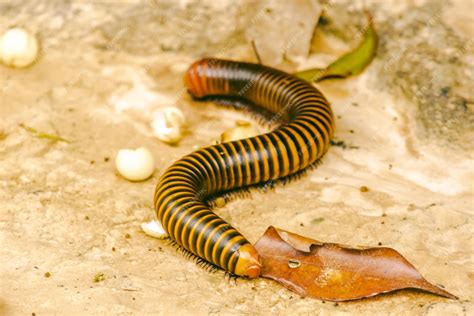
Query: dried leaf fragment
point(334, 272)
point(39, 134)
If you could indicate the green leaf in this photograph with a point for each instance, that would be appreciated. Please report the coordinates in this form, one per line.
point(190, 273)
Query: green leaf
point(349, 64)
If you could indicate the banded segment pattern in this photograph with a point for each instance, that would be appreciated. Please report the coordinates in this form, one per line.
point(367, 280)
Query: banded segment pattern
point(299, 142)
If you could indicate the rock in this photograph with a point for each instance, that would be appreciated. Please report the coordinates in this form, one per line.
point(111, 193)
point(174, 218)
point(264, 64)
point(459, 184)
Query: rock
point(424, 60)
point(431, 65)
point(283, 29)
point(202, 27)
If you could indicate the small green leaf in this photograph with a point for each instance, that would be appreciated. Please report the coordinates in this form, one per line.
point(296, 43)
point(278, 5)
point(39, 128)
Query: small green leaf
point(349, 64)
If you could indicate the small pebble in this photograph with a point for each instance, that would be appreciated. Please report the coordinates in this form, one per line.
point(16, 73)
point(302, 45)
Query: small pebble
point(364, 189)
point(99, 277)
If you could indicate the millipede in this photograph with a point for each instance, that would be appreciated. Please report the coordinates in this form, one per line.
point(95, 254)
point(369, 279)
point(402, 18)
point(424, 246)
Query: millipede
point(305, 129)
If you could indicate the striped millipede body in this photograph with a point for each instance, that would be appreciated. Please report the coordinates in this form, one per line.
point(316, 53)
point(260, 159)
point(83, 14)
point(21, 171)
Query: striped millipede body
point(302, 138)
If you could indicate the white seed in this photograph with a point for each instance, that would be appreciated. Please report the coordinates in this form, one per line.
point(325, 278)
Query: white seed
point(18, 48)
point(169, 124)
point(135, 164)
point(242, 130)
point(154, 229)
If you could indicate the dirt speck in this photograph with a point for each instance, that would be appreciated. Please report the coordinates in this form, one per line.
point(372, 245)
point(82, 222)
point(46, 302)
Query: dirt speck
point(98, 277)
point(364, 189)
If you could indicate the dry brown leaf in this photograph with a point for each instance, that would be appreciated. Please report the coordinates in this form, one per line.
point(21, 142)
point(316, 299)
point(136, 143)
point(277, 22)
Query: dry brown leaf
point(334, 272)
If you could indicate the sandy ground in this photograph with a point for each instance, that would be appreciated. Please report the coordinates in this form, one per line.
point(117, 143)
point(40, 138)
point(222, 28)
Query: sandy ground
point(67, 216)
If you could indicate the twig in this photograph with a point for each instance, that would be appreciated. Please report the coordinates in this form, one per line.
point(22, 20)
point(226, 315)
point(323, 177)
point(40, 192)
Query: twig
point(256, 52)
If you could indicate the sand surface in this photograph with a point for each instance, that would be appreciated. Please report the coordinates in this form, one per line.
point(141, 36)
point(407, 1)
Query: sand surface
point(70, 232)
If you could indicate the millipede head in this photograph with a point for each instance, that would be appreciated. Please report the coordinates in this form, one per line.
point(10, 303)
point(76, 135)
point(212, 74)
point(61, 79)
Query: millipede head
point(193, 79)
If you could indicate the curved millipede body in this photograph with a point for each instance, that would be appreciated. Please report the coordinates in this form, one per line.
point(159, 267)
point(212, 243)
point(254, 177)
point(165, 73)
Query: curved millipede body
point(302, 138)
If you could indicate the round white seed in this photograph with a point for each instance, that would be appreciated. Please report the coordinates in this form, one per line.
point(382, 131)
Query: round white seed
point(169, 124)
point(18, 48)
point(135, 164)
